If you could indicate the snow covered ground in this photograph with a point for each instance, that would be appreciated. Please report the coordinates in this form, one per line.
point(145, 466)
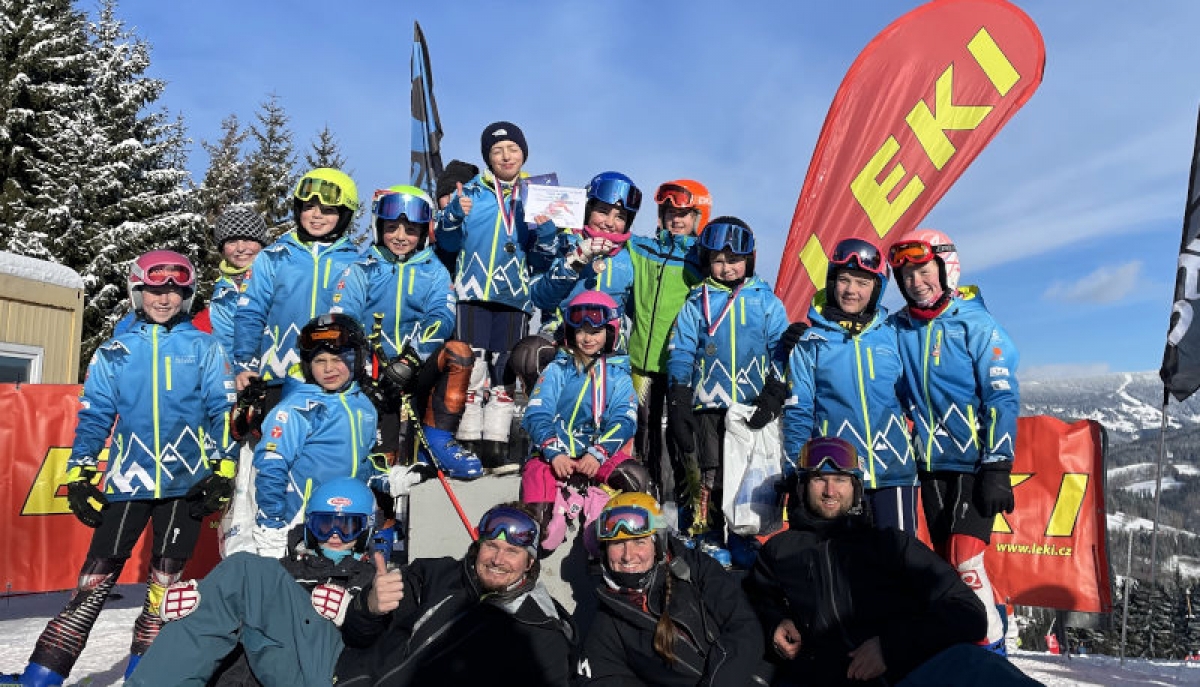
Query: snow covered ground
point(439, 533)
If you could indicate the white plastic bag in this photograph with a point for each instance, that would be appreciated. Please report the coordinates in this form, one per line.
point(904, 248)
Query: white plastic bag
point(753, 464)
point(237, 523)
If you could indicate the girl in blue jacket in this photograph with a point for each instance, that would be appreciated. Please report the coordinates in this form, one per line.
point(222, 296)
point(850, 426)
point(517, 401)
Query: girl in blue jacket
point(722, 351)
point(322, 430)
point(582, 414)
point(162, 392)
point(843, 377)
point(960, 389)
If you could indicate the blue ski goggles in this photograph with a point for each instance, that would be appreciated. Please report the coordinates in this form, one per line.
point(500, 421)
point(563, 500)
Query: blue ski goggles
point(347, 526)
point(391, 206)
point(613, 191)
point(732, 237)
point(859, 254)
point(587, 313)
point(512, 525)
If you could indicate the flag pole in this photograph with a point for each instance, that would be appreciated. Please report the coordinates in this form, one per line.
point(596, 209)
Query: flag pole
point(1162, 450)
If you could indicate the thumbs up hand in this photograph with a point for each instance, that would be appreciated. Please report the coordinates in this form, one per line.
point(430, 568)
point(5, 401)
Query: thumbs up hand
point(388, 589)
point(464, 201)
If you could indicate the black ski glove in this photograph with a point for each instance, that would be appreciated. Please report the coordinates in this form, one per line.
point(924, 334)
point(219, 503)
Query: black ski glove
point(212, 493)
point(790, 337)
point(768, 405)
point(87, 502)
point(246, 416)
point(680, 418)
point(401, 371)
point(993, 488)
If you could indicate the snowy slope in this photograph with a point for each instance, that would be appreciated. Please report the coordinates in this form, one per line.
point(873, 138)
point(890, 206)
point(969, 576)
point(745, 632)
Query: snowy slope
point(1128, 404)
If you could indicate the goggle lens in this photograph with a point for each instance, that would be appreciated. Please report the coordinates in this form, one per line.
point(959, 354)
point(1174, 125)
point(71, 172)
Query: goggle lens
point(332, 339)
point(733, 237)
point(326, 192)
point(509, 524)
point(391, 206)
point(595, 315)
point(613, 191)
point(915, 253)
point(632, 520)
point(161, 275)
point(858, 251)
point(829, 454)
point(678, 196)
point(346, 526)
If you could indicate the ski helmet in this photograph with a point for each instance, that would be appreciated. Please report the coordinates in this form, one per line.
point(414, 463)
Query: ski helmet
point(861, 255)
point(918, 247)
point(338, 334)
point(632, 515)
point(830, 455)
point(597, 309)
point(240, 222)
point(345, 507)
point(159, 268)
point(407, 203)
point(685, 193)
point(329, 187)
point(727, 233)
point(612, 188)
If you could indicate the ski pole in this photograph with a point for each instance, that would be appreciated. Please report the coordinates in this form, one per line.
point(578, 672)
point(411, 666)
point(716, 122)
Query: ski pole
point(420, 431)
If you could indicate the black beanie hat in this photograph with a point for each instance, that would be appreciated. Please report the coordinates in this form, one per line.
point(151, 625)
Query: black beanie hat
point(502, 131)
point(240, 222)
point(457, 172)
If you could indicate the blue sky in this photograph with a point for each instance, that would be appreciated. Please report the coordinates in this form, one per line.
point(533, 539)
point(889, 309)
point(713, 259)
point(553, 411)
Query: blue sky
point(1069, 221)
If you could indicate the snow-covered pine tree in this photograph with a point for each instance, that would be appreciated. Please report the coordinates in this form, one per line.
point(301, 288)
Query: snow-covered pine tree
point(226, 181)
point(139, 196)
point(45, 61)
point(271, 165)
point(325, 152)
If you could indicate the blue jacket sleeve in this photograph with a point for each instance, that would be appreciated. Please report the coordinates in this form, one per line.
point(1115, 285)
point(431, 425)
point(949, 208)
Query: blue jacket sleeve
point(99, 410)
point(548, 291)
point(439, 307)
point(251, 314)
point(684, 344)
point(777, 323)
point(540, 413)
point(274, 458)
point(449, 227)
point(544, 249)
point(219, 397)
point(995, 358)
point(620, 416)
point(798, 412)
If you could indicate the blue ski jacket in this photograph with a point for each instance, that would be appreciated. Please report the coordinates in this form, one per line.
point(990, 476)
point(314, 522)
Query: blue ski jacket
point(311, 437)
point(414, 295)
point(164, 394)
point(573, 411)
point(289, 283)
point(846, 386)
point(492, 266)
point(726, 354)
point(960, 385)
point(554, 289)
point(221, 307)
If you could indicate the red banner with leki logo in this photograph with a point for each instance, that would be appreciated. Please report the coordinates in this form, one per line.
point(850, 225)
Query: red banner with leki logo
point(916, 107)
point(43, 546)
point(1052, 550)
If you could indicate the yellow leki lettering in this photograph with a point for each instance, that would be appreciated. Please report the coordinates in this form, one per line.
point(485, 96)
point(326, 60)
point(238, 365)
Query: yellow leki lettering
point(1068, 504)
point(812, 256)
point(872, 195)
point(43, 498)
point(930, 129)
point(993, 62)
point(1000, 525)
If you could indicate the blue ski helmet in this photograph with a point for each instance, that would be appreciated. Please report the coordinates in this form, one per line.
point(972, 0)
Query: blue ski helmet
point(614, 188)
point(345, 507)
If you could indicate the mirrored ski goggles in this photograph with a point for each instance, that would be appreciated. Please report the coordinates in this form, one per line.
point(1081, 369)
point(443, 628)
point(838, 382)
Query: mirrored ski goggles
point(162, 275)
point(333, 339)
point(634, 521)
point(391, 206)
point(347, 526)
point(860, 254)
point(511, 525)
point(613, 191)
point(828, 454)
point(915, 252)
point(326, 192)
point(679, 196)
point(733, 237)
point(596, 315)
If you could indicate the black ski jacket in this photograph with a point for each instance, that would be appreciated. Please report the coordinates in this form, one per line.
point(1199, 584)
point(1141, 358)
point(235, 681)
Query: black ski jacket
point(447, 632)
point(718, 640)
point(843, 582)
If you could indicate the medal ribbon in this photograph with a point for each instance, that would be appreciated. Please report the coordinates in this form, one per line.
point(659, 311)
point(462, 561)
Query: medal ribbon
point(713, 326)
point(508, 216)
point(599, 375)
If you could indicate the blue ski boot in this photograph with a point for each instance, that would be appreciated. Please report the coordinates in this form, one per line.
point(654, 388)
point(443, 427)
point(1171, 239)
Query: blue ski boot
point(38, 675)
point(132, 665)
point(454, 460)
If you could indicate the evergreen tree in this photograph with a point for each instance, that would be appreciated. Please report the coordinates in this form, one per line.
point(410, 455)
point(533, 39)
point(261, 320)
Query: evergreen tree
point(45, 62)
point(271, 165)
point(325, 152)
point(226, 182)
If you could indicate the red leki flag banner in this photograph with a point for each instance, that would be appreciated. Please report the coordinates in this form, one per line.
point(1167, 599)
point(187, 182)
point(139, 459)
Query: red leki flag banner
point(916, 107)
point(1052, 550)
point(43, 545)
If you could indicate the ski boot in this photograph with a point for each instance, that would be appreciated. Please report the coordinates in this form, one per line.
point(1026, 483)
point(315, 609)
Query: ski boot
point(743, 551)
point(470, 427)
point(37, 675)
point(132, 665)
point(453, 459)
point(497, 422)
